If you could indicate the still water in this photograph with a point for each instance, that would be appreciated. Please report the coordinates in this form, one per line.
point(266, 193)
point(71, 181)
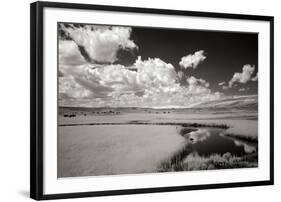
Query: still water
point(207, 141)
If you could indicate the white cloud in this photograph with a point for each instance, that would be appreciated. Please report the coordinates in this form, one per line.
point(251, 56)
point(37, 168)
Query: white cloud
point(155, 83)
point(242, 77)
point(192, 61)
point(225, 87)
point(101, 42)
point(155, 73)
point(69, 88)
point(255, 78)
point(181, 75)
point(192, 81)
point(243, 89)
point(69, 54)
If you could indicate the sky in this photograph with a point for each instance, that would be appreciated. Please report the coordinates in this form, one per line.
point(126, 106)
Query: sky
point(117, 66)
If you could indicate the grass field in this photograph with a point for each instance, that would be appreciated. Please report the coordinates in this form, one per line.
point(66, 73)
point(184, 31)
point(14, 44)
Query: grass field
point(142, 141)
point(104, 150)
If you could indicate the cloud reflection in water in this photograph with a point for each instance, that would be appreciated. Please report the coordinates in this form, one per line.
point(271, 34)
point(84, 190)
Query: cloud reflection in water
point(198, 136)
point(247, 148)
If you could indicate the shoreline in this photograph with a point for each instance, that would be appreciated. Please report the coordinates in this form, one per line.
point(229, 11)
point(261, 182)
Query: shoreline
point(224, 126)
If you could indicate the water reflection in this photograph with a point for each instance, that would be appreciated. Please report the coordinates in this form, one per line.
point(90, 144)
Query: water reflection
point(198, 136)
point(208, 141)
point(247, 148)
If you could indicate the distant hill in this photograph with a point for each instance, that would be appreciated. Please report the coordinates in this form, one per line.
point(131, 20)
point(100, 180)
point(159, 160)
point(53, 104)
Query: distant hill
point(249, 102)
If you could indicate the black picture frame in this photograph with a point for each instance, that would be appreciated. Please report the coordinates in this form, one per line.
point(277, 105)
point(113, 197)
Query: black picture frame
point(36, 99)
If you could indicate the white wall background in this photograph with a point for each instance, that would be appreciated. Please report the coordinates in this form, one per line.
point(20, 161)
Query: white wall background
point(14, 100)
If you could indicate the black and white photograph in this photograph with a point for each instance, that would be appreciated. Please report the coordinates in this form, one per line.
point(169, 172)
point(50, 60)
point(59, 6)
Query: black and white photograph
point(135, 100)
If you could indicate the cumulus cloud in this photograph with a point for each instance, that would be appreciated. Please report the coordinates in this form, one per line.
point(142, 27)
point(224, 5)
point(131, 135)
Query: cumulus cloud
point(69, 88)
point(154, 83)
point(155, 73)
point(243, 89)
point(181, 75)
point(242, 77)
point(255, 78)
point(225, 87)
point(100, 43)
point(193, 60)
point(69, 53)
point(193, 81)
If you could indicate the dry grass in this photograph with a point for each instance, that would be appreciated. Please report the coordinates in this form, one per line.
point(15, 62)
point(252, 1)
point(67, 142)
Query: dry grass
point(95, 145)
point(215, 161)
point(248, 138)
point(108, 150)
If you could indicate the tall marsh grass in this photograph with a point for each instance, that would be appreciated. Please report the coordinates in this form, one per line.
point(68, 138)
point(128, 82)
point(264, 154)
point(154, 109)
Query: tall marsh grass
point(194, 161)
point(247, 138)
